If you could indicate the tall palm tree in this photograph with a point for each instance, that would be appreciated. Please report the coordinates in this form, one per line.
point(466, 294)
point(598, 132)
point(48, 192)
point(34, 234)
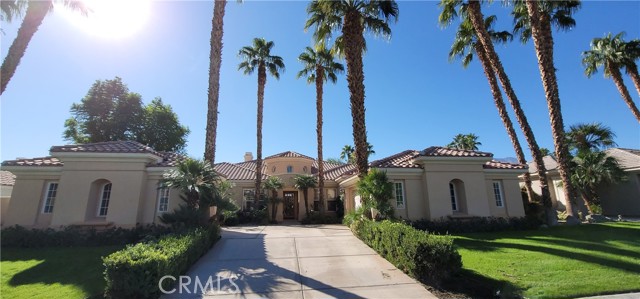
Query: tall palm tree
point(36, 11)
point(318, 67)
point(632, 49)
point(273, 184)
point(592, 169)
point(472, 10)
point(465, 142)
point(590, 137)
point(541, 17)
point(258, 57)
point(353, 18)
point(11, 9)
point(464, 46)
point(612, 53)
point(215, 60)
point(303, 182)
point(347, 153)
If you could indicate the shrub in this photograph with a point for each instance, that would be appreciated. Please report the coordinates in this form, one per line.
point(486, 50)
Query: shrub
point(135, 271)
point(18, 236)
point(421, 255)
point(318, 218)
point(476, 225)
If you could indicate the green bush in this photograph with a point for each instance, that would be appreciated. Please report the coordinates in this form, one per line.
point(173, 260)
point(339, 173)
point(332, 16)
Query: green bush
point(424, 256)
point(18, 236)
point(135, 271)
point(476, 225)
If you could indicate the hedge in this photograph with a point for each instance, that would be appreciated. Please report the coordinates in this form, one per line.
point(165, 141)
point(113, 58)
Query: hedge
point(424, 256)
point(135, 271)
point(18, 236)
point(477, 224)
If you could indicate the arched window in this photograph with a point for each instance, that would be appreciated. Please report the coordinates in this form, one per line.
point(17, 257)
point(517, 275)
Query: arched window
point(105, 196)
point(454, 196)
point(163, 199)
point(457, 196)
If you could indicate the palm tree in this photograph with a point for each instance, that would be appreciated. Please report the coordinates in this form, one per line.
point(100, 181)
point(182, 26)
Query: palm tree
point(353, 18)
point(377, 190)
point(11, 9)
point(541, 16)
point(347, 153)
point(472, 10)
point(304, 182)
point(318, 67)
point(273, 184)
point(464, 46)
point(36, 11)
point(258, 57)
point(632, 48)
point(590, 137)
point(612, 53)
point(465, 142)
point(215, 60)
point(592, 169)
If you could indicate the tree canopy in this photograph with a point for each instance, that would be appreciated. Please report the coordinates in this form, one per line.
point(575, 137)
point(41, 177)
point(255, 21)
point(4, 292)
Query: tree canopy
point(465, 142)
point(111, 112)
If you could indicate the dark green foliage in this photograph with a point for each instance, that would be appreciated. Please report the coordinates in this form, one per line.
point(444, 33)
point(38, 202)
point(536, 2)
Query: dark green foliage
point(135, 271)
point(377, 191)
point(319, 218)
point(477, 224)
point(70, 236)
point(424, 256)
point(183, 216)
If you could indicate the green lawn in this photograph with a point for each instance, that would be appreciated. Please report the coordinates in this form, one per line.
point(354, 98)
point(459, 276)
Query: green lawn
point(53, 272)
point(560, 262)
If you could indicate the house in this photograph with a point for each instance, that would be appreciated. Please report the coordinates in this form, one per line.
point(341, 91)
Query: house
point(617, 199)
point(7, 179)
point(118, 183)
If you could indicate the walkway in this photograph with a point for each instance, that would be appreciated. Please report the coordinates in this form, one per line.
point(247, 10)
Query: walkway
point(293, 261)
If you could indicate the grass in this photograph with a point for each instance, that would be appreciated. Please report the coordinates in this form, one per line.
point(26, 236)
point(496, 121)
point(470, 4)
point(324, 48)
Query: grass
point(559, 262)
point(74, 272)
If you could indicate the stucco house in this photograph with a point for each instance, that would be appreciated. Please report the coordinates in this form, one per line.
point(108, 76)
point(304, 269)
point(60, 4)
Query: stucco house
point(118, 183)
point(7, 179)
point(617, 199)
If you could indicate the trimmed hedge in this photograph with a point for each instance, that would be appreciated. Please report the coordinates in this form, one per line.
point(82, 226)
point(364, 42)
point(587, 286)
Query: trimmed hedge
point(424, 256)
point(135, 271)
point(18, 236)
point(477, 225)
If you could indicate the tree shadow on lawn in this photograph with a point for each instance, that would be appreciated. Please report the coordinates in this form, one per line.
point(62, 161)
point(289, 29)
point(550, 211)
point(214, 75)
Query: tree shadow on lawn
point(470, 284)
point(78, 266)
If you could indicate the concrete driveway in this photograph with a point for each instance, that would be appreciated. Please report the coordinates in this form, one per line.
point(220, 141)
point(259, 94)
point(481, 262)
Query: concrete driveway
point(294, 261)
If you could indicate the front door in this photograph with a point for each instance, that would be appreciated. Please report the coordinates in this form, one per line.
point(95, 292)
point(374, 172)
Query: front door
point(290, 204)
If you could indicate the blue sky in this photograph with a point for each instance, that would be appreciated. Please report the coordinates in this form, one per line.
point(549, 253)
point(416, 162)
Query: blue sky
point(415, 97)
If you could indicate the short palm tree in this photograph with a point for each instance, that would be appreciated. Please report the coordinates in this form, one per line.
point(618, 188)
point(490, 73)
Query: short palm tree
point(36, 11)
point(258, 57)
point(303, 183)
point(347, 153)
point(376, 191)
point(352, 18)
point(273, 184)
point(592, 169)
point(613, 53)
point(590, 137)
point(465, 142)
point(319, 66)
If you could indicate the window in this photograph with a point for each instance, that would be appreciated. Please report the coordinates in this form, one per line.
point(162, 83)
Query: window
point(249, 198)
point(399, 193)
point(50, 198)
point(163, 199)
point(103, 208)
point(331, 193)
point(304, 169)
point(332, 205)
point(289, 169)
point(497, 193)
point(454, 197)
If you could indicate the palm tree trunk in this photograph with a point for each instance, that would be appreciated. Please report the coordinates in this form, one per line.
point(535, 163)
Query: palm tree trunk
point(477, 19)
point(354, 39)
point(616, 75)
point(305, 193)
point(319, 92)
point(262, 81)
point(543, 42)
point(586, 202)
point(36, 12)
point(504, 115)
point(632, 70)
point(215, 60)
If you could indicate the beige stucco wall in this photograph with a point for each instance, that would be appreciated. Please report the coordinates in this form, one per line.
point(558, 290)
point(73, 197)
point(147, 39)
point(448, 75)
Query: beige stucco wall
point(5, 197)
point(622, 198)
point(25, 205)
point(512, 197)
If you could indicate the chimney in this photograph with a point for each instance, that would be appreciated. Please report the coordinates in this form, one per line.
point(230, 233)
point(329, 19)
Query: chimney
point(248, 156)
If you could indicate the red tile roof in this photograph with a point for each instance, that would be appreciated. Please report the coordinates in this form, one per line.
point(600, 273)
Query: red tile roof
point(106, 147)
point(339, 171)
point(7, 178)
point(289, 154)
point(235, 172)
point(400, 160)
point(169, 159)
point(44, 161)
point(438, 151)
point(493, 164)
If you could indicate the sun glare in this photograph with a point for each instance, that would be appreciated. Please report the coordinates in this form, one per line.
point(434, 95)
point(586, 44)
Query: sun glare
point(110, 18)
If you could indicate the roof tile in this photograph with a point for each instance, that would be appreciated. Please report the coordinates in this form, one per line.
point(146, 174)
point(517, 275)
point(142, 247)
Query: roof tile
point(125, 146)
point(439, 151)
point(7, 178)
point(44, 161)
point(493, 164)
point(400, 160)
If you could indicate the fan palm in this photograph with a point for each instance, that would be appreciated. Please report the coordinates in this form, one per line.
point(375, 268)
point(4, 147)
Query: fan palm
point(273, 184)
point(352, 18)
point(318, 67)
point(303, 183)
point(464, 46)
point(590, 137)
point(348, 153)
point(612, 53)
point(592, 169)
point(472, 11)
point(36, 11)
point(258, 57)
point(465, 142)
